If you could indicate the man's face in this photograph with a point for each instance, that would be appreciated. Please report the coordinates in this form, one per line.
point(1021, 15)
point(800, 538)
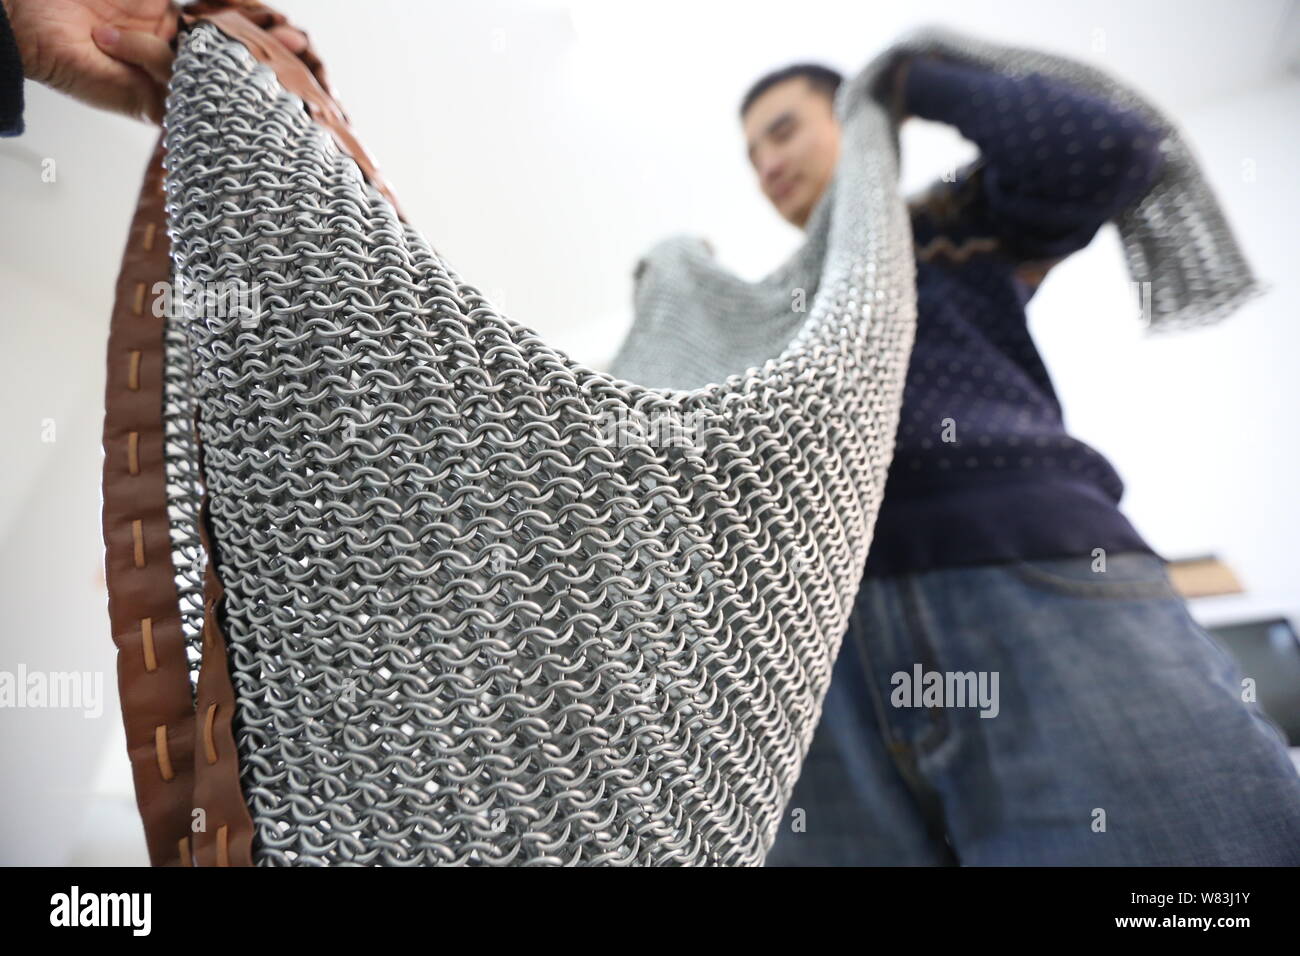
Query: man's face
point(794, 144)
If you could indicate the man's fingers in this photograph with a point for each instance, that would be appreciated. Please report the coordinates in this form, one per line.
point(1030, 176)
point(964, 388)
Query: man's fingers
point(152, 103)
point(137, 96)
point(151, 53)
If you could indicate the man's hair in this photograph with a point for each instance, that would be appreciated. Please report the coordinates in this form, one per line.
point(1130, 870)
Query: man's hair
point(823, 79)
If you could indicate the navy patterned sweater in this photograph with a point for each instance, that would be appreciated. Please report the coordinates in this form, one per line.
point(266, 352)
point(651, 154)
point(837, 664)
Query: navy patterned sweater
point(983, 469)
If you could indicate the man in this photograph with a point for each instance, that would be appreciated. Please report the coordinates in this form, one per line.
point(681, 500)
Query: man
point(1115, 732)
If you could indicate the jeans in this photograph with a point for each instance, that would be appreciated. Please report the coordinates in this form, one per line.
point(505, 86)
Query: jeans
point(1119, 735)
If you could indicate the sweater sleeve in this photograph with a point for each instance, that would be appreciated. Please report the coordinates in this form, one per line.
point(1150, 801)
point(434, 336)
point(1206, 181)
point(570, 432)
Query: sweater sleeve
point(11, 81)
point(1056, 162)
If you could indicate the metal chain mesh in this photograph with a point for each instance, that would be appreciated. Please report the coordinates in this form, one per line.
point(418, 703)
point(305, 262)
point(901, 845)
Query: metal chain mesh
point(184, 487)
point(468, 620)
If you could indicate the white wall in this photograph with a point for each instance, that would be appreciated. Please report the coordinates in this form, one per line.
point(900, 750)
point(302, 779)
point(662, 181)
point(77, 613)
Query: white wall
point(542, 147)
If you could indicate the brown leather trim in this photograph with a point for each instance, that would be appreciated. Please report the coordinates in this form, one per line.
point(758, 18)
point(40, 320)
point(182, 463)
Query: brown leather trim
point(143, 604)
point(259, 14)
point(301, 75)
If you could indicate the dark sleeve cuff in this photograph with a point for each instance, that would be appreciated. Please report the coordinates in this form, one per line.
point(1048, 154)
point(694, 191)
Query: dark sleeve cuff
point(939, 90)
point(11, 81)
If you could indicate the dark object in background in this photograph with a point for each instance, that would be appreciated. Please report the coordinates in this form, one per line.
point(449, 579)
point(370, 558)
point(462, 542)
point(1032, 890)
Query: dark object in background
point(1269, 651)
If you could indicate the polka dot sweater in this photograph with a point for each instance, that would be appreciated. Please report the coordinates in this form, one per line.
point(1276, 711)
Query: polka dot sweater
point(983, 468)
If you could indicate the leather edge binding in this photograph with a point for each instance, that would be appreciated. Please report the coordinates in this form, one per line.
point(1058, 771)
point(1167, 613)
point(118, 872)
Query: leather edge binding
point(143, 602)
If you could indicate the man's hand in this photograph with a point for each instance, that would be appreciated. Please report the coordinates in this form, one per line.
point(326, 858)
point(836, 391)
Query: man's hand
point(890, 87)
point(111, 54)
